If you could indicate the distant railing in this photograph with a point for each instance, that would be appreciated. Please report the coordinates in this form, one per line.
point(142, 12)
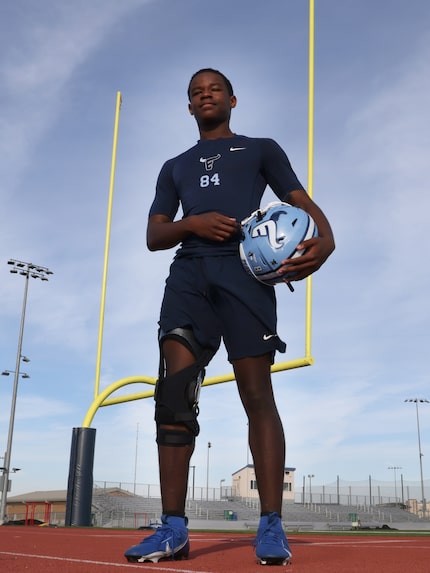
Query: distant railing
point(369, 493)
point(153, 490)
point(366, 493)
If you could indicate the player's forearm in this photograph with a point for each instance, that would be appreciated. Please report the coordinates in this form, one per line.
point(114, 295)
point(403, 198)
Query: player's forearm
point(164, 234)
point(301, 199)
point(324, 227)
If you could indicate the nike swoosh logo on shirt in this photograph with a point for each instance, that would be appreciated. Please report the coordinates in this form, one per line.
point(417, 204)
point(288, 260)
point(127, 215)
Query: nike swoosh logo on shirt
point(237, 148)
point(269, 336)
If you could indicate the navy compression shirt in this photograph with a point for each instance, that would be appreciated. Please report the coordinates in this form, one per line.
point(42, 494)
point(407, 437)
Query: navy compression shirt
point(226, 175)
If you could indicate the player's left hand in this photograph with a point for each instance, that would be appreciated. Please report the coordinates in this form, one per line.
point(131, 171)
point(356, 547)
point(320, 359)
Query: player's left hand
point(317, 250)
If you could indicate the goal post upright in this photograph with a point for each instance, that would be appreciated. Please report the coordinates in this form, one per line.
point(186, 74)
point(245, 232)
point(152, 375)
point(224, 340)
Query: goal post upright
point(79, 491)
point(107, 245)
point(103, 398)
point(311, 107)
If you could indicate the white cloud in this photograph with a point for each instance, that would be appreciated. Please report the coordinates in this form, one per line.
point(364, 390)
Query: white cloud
point(49, 42)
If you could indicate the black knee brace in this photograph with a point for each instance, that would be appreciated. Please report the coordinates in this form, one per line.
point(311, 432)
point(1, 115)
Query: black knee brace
point(176, 397)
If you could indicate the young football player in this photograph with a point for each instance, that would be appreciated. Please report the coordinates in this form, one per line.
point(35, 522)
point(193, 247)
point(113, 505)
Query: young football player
point(209, 297)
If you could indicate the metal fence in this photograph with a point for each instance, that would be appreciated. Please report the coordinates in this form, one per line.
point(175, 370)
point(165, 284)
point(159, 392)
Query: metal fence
point(195, 493)
point(370, 492)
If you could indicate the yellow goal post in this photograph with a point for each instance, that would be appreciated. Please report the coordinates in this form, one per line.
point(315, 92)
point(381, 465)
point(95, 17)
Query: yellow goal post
point(103, 398)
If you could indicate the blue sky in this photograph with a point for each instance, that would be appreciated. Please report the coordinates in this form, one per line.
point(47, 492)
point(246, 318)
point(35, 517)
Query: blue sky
point(61, 65)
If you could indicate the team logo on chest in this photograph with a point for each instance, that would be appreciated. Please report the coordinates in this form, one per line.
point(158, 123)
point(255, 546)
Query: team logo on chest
point(209, 161)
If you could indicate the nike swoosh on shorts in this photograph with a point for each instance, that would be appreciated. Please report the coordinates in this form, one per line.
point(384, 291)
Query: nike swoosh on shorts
point(269, 336)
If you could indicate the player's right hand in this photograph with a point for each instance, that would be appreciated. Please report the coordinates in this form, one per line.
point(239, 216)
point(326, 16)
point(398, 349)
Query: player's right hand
point(214, 226)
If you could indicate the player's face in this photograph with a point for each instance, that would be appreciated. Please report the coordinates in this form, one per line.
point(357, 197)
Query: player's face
point(210, 101)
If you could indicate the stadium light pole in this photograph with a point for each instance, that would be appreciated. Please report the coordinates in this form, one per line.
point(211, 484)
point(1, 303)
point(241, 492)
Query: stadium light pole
point(221, 481)
point(422, 401)
point(395, 468)
point(36, 272)
point(310, 476)
point(135, 458)
point(23, 375)
point(207, 473)
point(194, 478)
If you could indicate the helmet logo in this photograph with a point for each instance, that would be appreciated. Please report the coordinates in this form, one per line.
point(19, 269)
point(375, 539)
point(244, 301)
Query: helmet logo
point(268, 228)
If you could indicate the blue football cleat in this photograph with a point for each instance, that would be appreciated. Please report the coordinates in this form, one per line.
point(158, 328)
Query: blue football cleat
point(169, 541)
point(271, 545)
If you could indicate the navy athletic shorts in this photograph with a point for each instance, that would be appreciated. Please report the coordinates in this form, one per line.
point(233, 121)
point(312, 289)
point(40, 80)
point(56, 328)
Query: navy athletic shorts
point(217, 299)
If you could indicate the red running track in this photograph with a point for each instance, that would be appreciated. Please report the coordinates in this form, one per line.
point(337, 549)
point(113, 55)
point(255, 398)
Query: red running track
point(48, 550)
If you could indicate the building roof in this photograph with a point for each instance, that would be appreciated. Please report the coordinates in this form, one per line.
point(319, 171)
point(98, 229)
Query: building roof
point(56, 495)
point(40, 496)
point(251, 466)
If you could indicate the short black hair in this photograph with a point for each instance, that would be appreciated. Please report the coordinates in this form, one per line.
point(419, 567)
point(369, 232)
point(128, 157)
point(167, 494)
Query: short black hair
point(225, 80)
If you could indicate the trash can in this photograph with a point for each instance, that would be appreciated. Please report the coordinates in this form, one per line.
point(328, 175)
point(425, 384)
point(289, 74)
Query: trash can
point(228, 515)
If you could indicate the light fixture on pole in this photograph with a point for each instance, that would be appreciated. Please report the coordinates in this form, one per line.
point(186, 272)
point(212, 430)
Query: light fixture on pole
point(310, 476)
point(422, 401)
point(8, 372)
point(395, 468)
point(36, 272)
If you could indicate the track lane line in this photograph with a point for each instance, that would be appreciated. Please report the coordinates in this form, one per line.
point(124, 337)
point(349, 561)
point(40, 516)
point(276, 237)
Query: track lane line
point(146, 566)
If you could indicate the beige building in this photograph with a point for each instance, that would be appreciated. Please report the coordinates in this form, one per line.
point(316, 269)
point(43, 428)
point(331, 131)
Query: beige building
point(244, 483)
point(37, 506)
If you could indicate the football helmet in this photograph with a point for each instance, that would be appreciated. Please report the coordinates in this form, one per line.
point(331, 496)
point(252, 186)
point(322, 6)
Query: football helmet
point(271, 235)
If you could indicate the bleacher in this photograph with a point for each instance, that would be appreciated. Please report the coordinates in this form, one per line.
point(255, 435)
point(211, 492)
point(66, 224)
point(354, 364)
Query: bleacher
point(347, 517)
point(119, 508)
point(125, 510)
